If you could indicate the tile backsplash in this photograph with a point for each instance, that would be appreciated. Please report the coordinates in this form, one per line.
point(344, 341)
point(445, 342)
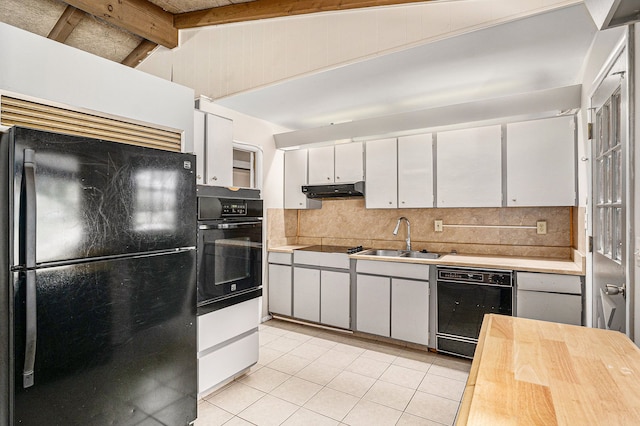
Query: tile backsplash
point(349, 223)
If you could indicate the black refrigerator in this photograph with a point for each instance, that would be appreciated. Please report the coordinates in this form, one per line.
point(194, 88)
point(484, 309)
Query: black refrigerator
point(98, 281)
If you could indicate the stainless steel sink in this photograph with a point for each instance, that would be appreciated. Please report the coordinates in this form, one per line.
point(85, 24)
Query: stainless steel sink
point(388, 253)
point(420, 255)
point(400, 253)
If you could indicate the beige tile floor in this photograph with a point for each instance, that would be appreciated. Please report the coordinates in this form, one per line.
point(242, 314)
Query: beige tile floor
point(310, 376)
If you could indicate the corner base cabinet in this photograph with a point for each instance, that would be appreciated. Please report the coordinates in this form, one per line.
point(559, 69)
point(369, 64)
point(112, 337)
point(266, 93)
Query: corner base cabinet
point(549, 297)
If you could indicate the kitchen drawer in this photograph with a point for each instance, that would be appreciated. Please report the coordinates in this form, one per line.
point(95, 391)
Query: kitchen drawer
point(225, 363)
point(554, 307)
point(219, 326)
point(326, 260)
point(280, 258)
point(550, 283)
point(393, 269)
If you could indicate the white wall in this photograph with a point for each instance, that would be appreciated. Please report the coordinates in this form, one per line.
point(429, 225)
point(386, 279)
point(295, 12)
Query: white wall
point(222, 60)
point(41, 68)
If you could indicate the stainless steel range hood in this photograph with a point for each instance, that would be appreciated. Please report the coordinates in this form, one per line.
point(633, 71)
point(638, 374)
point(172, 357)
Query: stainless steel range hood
point(339, 190)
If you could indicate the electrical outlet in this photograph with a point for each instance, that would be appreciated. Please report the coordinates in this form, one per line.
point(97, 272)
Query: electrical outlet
point(438, 225)
point(541, 227)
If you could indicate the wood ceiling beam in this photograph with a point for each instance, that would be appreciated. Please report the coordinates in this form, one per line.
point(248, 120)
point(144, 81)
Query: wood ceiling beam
point(139, 53)
point(139, 17)
point(66, 24)
point(264, 9)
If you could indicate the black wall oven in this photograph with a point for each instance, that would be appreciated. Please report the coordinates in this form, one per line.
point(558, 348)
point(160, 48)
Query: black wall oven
point(464, 296)
point(229, 247)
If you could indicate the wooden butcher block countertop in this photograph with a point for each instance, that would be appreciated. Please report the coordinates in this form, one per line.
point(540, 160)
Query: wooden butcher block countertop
point(528, 372)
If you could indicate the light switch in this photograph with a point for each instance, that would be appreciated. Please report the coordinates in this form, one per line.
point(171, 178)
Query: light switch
point(541, 227)
point(438, 226)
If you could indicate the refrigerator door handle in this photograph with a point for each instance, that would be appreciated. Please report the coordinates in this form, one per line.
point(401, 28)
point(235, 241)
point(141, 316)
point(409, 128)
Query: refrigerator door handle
point(30, 260)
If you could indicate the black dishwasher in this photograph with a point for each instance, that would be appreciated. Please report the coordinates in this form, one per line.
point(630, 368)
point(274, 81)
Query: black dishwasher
point(464, 296)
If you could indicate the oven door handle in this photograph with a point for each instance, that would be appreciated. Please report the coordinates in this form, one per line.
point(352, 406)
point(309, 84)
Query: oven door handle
point(232, 225)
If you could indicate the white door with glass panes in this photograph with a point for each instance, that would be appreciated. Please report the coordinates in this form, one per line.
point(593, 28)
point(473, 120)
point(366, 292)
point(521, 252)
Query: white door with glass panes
point(469, 167)
point(349, 162)
point(541, 163)
point(610, 198)
point(381, 168)
point(415, 171)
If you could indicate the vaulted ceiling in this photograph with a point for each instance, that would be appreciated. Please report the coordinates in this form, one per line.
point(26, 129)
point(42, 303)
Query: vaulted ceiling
point(127, 30)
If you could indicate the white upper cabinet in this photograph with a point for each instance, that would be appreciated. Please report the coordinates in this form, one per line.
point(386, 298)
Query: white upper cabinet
point(381, 186)
point(469, 167)
point(342, 163)
point(321, 165)
point(219, 151)
point(349, 162)
point(198, 145)
point(415, 171)
point(541, 163)
point(295, 175)
point(213, 147)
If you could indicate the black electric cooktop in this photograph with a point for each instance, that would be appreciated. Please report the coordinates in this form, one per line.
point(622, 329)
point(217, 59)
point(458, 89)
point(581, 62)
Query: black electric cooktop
point(334, 249)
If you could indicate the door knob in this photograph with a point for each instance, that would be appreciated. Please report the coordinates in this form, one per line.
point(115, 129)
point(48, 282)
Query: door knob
point(612, 289)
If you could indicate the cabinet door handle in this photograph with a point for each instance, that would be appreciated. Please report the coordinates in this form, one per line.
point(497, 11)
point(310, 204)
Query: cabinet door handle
point(337, 177)
point(214, 178)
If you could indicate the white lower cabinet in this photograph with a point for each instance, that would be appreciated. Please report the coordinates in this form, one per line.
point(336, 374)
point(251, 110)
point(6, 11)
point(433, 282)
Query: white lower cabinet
point(373, 305)
point(226, 351)
point(335, 298)
point(410, 310)
point(392, 300)
point(306, 294)
point(280, 289)
point(549, 297)
point(322, 296)
point(280, 286)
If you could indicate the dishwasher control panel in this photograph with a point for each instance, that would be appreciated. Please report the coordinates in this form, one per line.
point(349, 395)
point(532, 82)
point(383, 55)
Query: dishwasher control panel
point(491, 277)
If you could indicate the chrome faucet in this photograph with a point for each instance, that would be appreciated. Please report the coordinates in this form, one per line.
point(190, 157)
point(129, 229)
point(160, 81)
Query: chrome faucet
point(395, 231)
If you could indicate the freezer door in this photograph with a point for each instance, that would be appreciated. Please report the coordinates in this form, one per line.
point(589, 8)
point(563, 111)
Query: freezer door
point(96, 198)
point(116, 343)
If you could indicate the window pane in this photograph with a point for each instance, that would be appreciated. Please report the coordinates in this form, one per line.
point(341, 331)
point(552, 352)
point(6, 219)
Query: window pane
point(600, 231)
point(607, 231)
point(617, 176)
point(606, 178)
point(243, 169)
point(617, 234)
point(598, 133)
point(600, 180)
point(604, 129)
point(615, 120)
